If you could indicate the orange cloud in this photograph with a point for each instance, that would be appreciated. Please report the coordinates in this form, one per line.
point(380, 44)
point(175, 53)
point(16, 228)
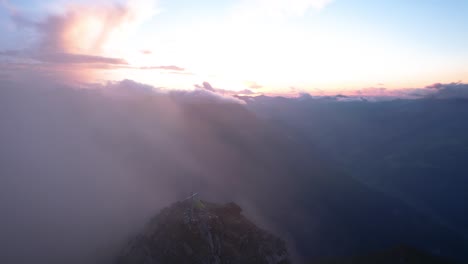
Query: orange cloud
point(167, 68)
point(76, 42)
point(84, 29)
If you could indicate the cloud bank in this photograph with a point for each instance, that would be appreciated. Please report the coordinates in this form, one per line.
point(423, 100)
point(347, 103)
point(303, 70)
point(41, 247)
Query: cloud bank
point(454, 90)
point(207, 87)
point(448, 90)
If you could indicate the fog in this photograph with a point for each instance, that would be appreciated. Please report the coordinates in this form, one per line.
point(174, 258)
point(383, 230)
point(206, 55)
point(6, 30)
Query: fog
point(83, 168)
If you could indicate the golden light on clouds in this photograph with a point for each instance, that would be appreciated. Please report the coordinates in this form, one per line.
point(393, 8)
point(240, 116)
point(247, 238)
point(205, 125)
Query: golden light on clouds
point(101, 29)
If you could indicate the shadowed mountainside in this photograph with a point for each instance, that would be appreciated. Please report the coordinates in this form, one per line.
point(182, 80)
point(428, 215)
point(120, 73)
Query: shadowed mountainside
point(411, 149)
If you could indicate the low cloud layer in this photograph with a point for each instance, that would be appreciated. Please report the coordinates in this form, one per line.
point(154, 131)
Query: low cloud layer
point(84, 168)
point(455, 90)
point(208, 87)
point(449, 90)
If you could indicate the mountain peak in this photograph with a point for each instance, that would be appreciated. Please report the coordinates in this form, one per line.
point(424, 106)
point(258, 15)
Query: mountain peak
point(195, 231)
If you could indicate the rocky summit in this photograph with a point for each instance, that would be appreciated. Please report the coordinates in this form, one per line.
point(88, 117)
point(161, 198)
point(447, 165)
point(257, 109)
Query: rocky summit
point(194, 231)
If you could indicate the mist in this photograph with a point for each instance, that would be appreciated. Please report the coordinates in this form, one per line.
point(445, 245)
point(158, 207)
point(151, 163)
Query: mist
point(84, 168)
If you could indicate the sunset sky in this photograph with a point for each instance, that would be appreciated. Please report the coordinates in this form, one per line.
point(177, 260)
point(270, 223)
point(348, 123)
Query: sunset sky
point(257, 46)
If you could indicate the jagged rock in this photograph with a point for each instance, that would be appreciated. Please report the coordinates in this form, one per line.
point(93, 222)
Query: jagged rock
point(203, 233)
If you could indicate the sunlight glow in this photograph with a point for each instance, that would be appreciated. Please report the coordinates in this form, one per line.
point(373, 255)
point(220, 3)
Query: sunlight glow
point(278, 44)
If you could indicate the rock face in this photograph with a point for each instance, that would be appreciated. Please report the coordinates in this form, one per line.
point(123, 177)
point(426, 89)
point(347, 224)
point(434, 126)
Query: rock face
point(200, 232)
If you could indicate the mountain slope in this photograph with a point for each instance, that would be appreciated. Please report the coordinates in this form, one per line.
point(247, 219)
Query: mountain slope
point(411, 149)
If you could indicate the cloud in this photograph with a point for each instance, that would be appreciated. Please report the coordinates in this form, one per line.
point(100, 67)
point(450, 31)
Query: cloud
point(449, 90)
point(79, 29)
point(208, 87)
point(79, 58)
point(64, 67)
point(80, 35)
point(304, 96)
point(203, 96)
point(87, 29)
point(205, 85)
point(60, 183)
point(130, 88)
point(254, 85)
point(167, 68)
point(146, 52)
point(63, 58)
point(11, 9)
point(435, 86)
point(245, 92)
point(381, 93)
point(455, 90)
point(437, 90)
point(126, 88)
point(10, 53)
point(4, 76)
point(83, 169)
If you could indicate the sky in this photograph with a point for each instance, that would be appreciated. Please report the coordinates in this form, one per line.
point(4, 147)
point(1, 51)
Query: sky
point(246, 46)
